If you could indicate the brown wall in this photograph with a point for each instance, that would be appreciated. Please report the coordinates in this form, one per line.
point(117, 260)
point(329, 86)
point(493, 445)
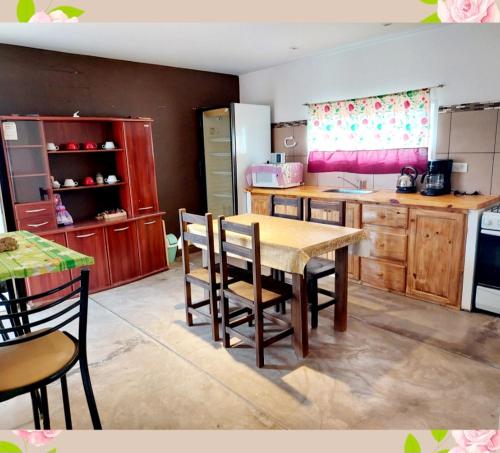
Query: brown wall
point(54, 83)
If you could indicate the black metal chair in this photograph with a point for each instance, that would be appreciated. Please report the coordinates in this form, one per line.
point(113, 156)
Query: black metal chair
point(255, 296)
point(288, 208)
point(329, 213)
point(35, 351)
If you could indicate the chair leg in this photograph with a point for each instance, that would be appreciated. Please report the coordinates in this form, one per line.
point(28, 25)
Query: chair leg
point(214, 312)
point(312, 297)
point(226, 340)
point(35, 404)
point(259, 337)
point(45, 408)
point(89, 393)
point(67, 407)
point(188, 301)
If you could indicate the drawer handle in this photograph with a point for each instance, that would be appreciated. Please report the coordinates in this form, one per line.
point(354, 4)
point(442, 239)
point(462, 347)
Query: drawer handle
point(150, 223)
point(117, 230)
point(82, 236)
point(146, 208)
point(37, 225)
point(32, 211)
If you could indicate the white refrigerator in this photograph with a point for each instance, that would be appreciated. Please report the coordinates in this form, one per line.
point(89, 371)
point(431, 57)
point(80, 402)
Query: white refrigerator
point(234, 137)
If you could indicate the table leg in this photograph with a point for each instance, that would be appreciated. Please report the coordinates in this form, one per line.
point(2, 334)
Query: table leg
point(340, 323)
point(299, 316)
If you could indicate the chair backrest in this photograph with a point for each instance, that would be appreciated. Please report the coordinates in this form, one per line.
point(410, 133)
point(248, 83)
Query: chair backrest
point(330, 212)
point(204, 239)
point(249, 254)
point(26, 320)
point(296, 203)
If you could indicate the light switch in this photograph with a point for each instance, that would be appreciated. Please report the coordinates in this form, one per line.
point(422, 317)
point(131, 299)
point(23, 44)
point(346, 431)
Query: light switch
point(460, 167)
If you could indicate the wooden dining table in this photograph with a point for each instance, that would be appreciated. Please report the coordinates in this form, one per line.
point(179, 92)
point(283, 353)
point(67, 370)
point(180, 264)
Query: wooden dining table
point(287, 245)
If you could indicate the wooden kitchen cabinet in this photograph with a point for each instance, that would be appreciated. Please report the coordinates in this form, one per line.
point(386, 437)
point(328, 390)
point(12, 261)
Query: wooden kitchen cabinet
point(151, 245)
point(91, 242)
point(261, 204)
point(435, 255)
point(41, 283)
point(385, 215)
point(141, 166)
point(123, 245)
point(387, 243)
point(383, 274)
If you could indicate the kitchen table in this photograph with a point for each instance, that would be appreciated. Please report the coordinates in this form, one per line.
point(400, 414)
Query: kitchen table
point(288, 245)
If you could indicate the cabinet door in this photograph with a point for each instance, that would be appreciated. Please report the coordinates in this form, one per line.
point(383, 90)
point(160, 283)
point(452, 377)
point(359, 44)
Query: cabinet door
point(353, 220)
point(151, 245)
point(45, 282)
point(435, 255)
point(123, 251)
point(261, 204)
point(141, 168)
point(91, 242)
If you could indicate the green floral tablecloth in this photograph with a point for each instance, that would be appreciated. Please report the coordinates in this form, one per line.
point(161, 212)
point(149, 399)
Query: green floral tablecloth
point(36, 256)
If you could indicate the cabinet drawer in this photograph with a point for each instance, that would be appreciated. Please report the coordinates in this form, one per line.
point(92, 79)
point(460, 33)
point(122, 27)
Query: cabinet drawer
point(91, 242)
point(27, 211)
point(38, 223)
point(387, 243)
point(383, 274)
point(123, 251)
point(393, 216)
point(152, 245)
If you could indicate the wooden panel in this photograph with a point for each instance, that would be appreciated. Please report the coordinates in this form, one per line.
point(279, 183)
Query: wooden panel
point(141, 168)
point(123, 251)
point(33, 210)
point(387, 243)
point(151, 245)
point(383, 274)
point(353, 220)
point(435, 255)
point(41, 283)
point(92, 242)
point(261, 204)
point(393, 216)
point(36, 224)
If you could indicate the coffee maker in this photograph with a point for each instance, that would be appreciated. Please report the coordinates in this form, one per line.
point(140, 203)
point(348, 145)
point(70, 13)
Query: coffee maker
point(436, 179)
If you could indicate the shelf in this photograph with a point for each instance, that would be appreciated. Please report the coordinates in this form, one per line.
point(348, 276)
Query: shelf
point(95, 186)
point(22, 146)
point(30, 175)
point(85, 151)
point(220, 140)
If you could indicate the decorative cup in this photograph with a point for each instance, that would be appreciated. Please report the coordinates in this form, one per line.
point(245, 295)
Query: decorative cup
point(108, 145)
point(70, 183)
point(111, 179)
point(52, 147)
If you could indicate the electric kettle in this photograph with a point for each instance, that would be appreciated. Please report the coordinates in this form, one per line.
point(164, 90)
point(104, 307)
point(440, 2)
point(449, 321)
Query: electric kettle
point(407, 181)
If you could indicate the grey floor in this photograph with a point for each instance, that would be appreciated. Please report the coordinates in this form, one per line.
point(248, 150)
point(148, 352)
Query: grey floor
point(401, 364)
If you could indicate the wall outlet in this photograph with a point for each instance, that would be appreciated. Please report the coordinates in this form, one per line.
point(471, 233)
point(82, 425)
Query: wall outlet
point(460, 167)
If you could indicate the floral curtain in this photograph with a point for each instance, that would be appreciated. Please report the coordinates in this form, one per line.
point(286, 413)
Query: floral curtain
point(398, 124)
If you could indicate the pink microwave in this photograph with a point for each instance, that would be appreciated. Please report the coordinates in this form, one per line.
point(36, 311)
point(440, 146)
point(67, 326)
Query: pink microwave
point(290, 174)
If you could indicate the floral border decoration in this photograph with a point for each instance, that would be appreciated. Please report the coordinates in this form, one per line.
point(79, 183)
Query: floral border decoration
point(27, 12)
point(37, 438)
point(464, 11)
point(468, 441)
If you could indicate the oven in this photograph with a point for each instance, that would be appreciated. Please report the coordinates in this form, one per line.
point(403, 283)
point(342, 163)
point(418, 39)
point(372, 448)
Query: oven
point(488, 265)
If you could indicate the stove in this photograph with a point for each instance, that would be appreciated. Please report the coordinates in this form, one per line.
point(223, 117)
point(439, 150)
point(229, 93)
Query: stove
point(488, 263)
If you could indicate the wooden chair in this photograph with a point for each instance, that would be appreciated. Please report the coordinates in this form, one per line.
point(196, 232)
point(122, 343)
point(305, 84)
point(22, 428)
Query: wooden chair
point(333, 213)
point(208, 277)
point(35, 351)
point(256, 295)
point(297, 213)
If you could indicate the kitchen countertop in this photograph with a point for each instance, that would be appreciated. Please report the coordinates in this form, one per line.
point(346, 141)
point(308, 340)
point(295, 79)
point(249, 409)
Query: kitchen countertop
point(462, 202)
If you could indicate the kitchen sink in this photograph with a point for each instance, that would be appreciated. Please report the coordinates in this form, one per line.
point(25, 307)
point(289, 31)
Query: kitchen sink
point(350, 191)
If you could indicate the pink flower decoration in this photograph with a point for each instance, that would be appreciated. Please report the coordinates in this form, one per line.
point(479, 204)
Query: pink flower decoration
point(480, 441)
point(57, 16)
point(365, 121)
point(378, 105)
point(424, 120)
point(41, 17)
point(478, 11)
point(326, 108)
point(339, 122)
point(406, 137)
point(392, 121)
point(316, 123)
point(37, 438)
point(350, 107)
point(407, 104)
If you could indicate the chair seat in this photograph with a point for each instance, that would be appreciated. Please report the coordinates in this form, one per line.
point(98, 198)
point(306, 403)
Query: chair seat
point(319, 267)
point(203, 275)
point(245, 290)
point(33, 361)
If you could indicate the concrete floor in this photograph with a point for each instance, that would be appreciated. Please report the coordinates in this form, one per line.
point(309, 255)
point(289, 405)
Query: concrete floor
point(402, 364)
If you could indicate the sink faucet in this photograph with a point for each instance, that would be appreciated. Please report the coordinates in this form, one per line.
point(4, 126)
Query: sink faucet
point(362, 183)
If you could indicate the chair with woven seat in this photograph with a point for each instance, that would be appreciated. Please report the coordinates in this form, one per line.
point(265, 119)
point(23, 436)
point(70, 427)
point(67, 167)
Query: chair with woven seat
point(208, 278)
point(256, 295)
point(35, 351)
point(329, 213)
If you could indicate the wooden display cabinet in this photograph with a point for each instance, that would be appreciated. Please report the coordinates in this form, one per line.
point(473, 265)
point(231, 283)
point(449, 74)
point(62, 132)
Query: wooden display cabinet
point(29, 166)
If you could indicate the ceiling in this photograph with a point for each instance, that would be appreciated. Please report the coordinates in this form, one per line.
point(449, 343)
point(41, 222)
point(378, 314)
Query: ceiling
point(233, 48)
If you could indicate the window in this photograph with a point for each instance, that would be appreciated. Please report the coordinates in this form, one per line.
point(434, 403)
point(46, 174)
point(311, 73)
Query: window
point(370, 135)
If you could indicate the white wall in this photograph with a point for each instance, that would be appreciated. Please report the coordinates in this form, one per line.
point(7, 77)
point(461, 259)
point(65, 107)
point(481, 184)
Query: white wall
point(466, 58)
